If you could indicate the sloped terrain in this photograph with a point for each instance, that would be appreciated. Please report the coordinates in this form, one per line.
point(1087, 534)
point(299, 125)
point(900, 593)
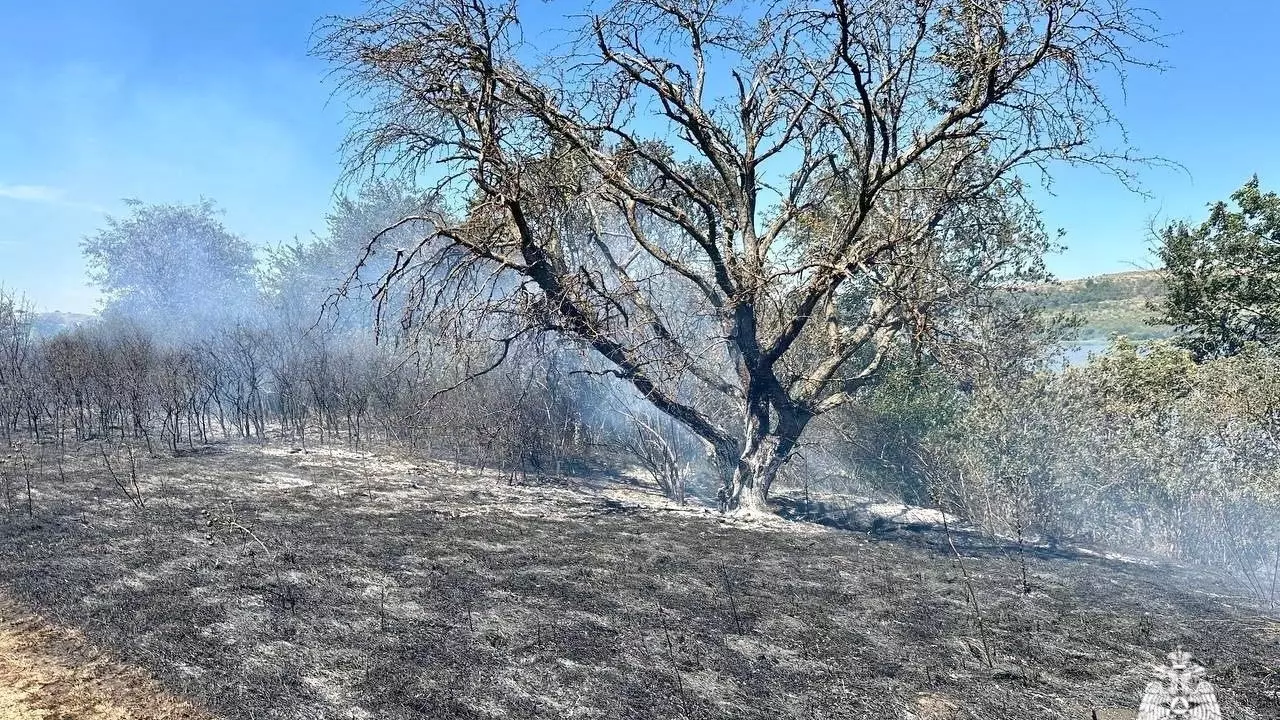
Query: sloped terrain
point(259, 582)
point(1111, 304)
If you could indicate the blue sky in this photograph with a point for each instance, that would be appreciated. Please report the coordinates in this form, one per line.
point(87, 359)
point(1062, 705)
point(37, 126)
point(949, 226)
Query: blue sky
point(169, 101)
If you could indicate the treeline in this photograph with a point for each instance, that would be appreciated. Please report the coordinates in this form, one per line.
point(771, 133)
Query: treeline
point(1139, 448)
point(202, 337)
point(114, 381)
point(1142, 286)
point(1170, 446)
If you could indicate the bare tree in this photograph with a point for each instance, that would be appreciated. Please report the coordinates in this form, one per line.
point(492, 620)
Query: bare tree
point(15, 362)
point(733, 205)
point(656, 446)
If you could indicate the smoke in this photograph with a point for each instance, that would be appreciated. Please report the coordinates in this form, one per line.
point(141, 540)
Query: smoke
point(1139, 449)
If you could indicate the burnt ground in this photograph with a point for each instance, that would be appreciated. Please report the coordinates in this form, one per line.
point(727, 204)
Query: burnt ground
point(260, 583)
point(47, 671)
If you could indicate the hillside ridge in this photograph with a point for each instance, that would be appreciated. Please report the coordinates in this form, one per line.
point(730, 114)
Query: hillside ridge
point(1109, 304)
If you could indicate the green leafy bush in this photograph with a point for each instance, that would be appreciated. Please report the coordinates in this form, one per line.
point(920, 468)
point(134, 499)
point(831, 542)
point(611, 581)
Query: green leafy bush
point(1140, 447)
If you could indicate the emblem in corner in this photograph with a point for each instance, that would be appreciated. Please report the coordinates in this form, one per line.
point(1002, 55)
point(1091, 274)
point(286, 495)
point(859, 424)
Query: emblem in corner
point(1181, 693)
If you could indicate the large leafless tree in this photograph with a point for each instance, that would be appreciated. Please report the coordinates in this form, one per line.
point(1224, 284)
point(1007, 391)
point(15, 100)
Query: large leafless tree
point(740, 208)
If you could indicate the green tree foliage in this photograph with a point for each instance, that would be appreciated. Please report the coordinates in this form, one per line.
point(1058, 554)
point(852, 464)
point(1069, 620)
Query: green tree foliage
point(883, 435)
point(174, 268)
point(1141, 447)
point(1223, 276)
point(337, 271)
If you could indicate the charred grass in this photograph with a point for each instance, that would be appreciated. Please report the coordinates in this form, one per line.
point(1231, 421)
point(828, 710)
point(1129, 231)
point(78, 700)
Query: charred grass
point(265, 583)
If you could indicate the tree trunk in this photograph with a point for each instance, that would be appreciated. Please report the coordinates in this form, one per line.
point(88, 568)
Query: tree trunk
point(754, 474)
point(750, 476)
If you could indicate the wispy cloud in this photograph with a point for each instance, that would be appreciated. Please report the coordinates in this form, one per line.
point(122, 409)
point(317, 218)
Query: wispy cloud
point(31, 193)
point(45, 195)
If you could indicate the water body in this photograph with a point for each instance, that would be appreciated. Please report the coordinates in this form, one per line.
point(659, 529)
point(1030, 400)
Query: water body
point(1078, 352)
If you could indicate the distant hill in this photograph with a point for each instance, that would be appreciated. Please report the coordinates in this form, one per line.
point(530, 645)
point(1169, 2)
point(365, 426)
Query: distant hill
point(1116, 303)
point(47, 324)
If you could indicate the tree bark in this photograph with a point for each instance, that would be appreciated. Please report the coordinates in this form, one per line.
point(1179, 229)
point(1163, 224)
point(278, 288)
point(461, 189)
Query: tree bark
point(767, 448)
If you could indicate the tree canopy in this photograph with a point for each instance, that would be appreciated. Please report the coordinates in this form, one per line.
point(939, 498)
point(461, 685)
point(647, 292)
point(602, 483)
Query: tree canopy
point(172, 267)
point(308, 280)
point(741, 210)
point(1223, 275)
